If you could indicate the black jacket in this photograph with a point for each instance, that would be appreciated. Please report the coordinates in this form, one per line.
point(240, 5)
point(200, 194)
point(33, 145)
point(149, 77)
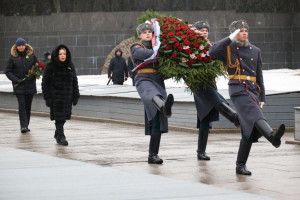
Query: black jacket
point(17, 68)
point(60, 86)
point(117, 67)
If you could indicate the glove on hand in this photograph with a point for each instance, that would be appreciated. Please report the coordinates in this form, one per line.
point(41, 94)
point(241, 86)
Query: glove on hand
point(48, 102)
point(75, 101)
point(261, 104)
point(232, 35)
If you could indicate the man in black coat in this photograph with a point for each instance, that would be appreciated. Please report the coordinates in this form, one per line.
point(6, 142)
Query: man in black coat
point(117, 68)
point(21, 61)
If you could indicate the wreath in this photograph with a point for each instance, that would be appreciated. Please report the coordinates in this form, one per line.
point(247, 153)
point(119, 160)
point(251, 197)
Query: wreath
point(184, 53)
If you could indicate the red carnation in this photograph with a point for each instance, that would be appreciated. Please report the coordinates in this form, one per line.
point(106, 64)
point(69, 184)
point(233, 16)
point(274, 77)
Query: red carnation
point(199, 39)
point(177, 28)
point(186, 42)
point(164, 42)
point(170, 33)
point(165, 26)
point(176, 45)
point(173, 39)
point(192, 36)
point(199, 57)
point(174, 55)
point(168, 47)
point(180, 49)
point(196, 45)
point(163, 36)
point(188, 51)
point(191, 62)
point(183, 36)
point(178, 33)
point(41, 65)
point(206, 59)
point(188, 32)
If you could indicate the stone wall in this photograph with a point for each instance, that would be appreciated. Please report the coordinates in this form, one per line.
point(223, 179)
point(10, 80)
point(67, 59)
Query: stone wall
point(92, 36)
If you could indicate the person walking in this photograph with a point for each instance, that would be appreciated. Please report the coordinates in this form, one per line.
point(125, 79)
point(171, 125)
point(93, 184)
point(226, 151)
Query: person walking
point(209, 103)
point(47, 58)
point(60, 89)
point(151, 88)
point(117, 69)
point(20, 62)
point(246, 89)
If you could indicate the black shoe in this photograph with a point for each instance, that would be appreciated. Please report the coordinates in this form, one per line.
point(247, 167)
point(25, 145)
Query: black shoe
point(28, 130)
point(167, 109)
point(275, 138)
point(203, 156)
point(61, 139)
point(241, 168)
point(23, 130)
point(154, 159)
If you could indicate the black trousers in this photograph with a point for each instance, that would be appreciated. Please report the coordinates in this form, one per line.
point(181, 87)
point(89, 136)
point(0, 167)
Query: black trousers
point(24, 101)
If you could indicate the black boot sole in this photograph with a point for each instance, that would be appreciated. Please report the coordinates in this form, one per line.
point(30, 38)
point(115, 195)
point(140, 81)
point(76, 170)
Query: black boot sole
point(168, 106)
point(279, 133)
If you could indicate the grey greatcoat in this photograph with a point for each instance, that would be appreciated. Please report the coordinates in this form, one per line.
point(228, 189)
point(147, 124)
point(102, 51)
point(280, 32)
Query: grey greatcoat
point(205, 101)
point(245, 94)
point(149, 85)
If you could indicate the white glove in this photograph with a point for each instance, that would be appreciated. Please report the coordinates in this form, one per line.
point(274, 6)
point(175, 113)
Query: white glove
point(261, 104)
point(232, 35)
point(155, 48)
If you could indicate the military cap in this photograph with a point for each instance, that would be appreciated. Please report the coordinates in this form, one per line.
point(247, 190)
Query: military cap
point(201, 24)
point(143, 27)
point(238, 25)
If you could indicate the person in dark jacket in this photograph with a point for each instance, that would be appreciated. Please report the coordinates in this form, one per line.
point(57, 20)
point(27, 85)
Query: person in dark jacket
point(246, 89)
point(117, 68)
point(60, 89)
point(20, 62)
point(151, 88)
point(209, 103)
point(47, 58)
point(130, 68)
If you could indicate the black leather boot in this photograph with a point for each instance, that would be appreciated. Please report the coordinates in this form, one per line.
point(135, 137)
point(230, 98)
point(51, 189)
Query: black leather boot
point(164, 106)
point(154, 149)
point(23, 130)
point(274, 137)
point(228, 113)
point(59, 133)
point(202, 142)
point(242, 158)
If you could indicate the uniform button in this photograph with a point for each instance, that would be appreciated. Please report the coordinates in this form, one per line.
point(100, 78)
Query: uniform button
point(241, 59)
point(244, 82)
point(243, 70)
point(252, 59)
point(252, 70)
point(252, 83)
point(237, 48)
point(250, 47)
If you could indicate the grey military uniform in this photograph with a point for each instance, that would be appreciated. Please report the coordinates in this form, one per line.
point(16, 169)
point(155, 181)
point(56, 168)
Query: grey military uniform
point(149, 85)
point(205, 101)
point(244, 93)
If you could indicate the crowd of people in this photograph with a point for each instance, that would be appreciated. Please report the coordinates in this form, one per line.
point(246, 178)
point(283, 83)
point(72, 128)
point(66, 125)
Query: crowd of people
point(241, 59)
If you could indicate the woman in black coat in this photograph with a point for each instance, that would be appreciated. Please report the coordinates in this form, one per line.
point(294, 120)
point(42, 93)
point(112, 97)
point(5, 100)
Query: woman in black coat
point(60, 89)
point(21, 60)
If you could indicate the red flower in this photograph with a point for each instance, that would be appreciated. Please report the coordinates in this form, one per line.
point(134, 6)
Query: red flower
point(173, 39)
point(188, 51)
point(163, 36)
point(199, 57)
point(177, 28)
point(180, 49)
point(178, 33)
point(199, 39)
point(196, 45)
point(186, 42)
point(188, 32)
point(191, 62)
point(170, 33)
point(192, 37)
point(164, 42)
point(165, 26)
point(168, 47)
point(176, 45)
point(174, 55)
point(183, 36)
point(41, 65)
point(206, 59)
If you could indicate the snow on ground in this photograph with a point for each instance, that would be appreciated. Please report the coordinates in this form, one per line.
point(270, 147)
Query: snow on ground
point(282, 80)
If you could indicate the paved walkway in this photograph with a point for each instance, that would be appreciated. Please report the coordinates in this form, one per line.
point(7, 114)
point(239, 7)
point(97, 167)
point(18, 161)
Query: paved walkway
point(113, 164)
